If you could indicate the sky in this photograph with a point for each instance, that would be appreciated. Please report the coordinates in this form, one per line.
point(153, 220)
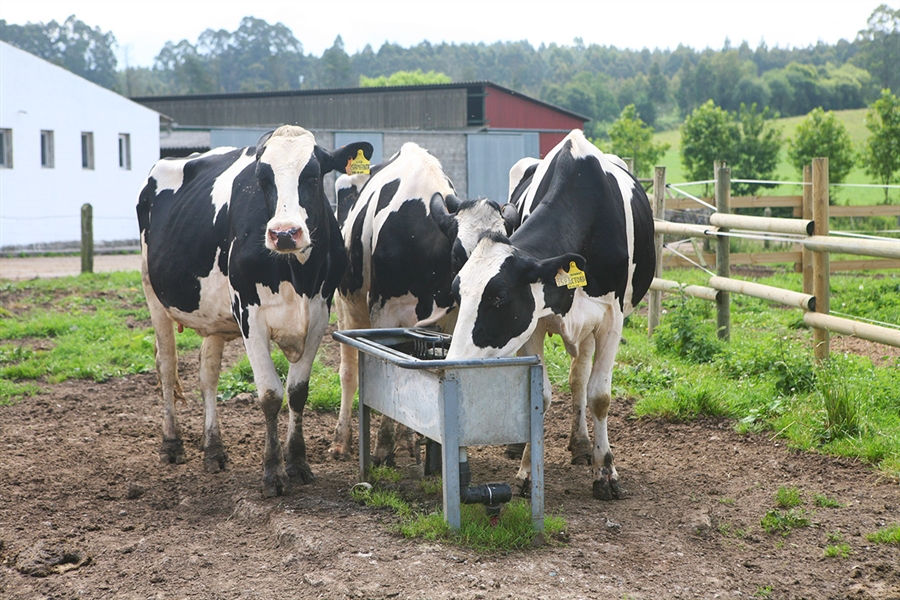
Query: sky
point(142, 27)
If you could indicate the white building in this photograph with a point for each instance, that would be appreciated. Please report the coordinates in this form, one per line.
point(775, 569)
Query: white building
point(65, 142)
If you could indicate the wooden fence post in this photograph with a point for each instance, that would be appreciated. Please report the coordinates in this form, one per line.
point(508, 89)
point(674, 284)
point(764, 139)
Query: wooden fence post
point(659, 212)
point(87, 238)
point(723, 260)
point(820, 260)
point(806, 262)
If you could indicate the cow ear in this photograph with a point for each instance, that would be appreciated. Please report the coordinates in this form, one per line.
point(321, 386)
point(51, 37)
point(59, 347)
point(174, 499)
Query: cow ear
point(510, 215)
point(337, 160)
point(547, 269)
point(452, 203)
point(445, 221)
point(262, 142)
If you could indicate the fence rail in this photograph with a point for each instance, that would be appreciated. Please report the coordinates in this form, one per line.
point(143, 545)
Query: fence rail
point(810, 231)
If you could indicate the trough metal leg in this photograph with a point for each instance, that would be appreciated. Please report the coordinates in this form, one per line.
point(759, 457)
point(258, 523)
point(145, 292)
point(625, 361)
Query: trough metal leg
point(450, 451)
point(365, 415)
point(537, 447)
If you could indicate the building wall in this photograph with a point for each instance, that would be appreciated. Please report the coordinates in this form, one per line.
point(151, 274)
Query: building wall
point(369, 110)
point(42, 205)
point(448, 147)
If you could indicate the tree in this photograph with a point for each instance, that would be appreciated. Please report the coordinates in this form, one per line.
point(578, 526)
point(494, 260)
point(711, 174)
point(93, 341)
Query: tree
point(822, 134)
point(708, 134)
point(400, 78)
point(879, 47)
point(880, 156)
point(335, 66)
point(757, 148)
point(632, 138)
point(74, 45)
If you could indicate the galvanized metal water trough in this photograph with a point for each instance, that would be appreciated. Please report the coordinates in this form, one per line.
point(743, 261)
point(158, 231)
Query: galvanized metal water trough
point(456, 403)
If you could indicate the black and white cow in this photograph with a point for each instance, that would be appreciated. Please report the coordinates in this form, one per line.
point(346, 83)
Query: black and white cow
point(402, 241)
point(583, 208)
point(242, 242)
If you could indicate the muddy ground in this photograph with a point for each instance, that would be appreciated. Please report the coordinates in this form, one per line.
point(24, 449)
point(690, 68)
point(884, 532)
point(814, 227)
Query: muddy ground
point(80, 485)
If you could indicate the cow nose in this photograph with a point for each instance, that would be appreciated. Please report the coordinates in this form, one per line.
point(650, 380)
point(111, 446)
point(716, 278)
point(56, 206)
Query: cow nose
point(284, 238)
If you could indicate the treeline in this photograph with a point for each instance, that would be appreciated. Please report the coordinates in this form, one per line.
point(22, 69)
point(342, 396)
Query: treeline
point(597, 81)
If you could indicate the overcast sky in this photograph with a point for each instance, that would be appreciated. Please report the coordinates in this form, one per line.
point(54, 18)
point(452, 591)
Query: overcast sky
point(142, 27)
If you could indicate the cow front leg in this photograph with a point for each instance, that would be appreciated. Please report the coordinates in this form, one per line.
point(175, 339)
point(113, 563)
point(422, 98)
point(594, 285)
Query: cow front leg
point(579, 373)
point(296, 465)
point(275, 478)
point(271, 397)
point(606, 479)
point(214, 457)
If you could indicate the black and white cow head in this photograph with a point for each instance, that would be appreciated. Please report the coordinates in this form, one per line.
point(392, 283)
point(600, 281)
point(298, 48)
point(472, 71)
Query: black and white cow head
point(464, 222)
point(502, 293)
point(289, 170)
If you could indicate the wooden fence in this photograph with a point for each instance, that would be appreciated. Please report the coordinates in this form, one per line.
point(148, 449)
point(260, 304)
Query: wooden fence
point(810, 231)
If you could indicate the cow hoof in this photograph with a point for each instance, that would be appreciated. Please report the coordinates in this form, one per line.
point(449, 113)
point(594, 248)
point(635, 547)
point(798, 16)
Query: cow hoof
point(581, 452)
point(275, 486)
point(383, 457)
point(617, 491)
point(301, 473)
point(215, 459)
point(339, 452)
point(171, 452)
point(608, 490)
point(525, 488)
point(601, 490)
point(514, 451)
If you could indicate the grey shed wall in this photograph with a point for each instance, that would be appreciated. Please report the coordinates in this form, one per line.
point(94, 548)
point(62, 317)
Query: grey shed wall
point(429, 109)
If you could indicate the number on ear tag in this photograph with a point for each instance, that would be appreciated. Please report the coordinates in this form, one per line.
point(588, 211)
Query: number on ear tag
point(358, 165)
point(573, 279)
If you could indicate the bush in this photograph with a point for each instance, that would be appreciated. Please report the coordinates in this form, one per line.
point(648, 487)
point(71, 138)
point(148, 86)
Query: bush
point(688, 333)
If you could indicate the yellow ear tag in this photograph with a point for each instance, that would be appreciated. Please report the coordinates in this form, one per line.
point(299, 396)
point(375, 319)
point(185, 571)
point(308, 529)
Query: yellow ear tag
point(358, 165)
point(573, 279)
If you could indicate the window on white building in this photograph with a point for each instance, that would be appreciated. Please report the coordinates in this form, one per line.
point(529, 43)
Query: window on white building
point(87, 150)
point(125, 151)
point(47, 149)
point(6, 148)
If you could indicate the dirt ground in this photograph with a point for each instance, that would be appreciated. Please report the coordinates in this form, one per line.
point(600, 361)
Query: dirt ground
point(86, 511)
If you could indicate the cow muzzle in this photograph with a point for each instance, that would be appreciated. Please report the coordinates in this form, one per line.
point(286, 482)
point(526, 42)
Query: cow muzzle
point(287, 240)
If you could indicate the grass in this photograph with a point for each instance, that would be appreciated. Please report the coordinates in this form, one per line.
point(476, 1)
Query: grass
point(852, 120)
point(823, 501)
point(776, 521)
point(887, 535)
point(788, 497)
point(766, 378)
point(511, 532)
point(837, 551)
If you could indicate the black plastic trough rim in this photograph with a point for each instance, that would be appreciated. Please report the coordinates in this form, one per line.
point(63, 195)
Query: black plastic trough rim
point(359, 339)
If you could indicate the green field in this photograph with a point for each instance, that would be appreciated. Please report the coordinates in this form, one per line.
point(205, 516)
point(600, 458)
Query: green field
point(852, 120)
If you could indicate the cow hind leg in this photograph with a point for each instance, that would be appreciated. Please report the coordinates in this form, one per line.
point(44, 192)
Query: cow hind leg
point(349, 371)
point(606, 479)
point(171, 450)
point(215, 458)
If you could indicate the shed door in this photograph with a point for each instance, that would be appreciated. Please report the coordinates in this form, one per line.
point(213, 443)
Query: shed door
point(491, 155)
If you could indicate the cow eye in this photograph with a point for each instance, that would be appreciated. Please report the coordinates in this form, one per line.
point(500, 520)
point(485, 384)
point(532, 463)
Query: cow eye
point(500, 298)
